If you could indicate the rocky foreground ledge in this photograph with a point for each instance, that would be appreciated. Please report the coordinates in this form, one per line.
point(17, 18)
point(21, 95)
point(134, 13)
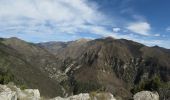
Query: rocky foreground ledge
point(11, 92)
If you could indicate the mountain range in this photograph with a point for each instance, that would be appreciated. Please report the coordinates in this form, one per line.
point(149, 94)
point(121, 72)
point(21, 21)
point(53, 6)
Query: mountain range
point(119, 66)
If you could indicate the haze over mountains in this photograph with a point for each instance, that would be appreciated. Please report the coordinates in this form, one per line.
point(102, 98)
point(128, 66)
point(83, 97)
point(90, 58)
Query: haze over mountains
point(121, 67)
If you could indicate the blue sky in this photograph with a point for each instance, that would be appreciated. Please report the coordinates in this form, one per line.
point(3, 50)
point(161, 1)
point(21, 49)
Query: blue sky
point(144, 21)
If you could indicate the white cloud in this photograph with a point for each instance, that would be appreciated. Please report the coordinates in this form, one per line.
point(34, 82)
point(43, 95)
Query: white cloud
point(53, 16)
point(98, 30)
point(141, 28)
point(157, 35)
point(116, 29)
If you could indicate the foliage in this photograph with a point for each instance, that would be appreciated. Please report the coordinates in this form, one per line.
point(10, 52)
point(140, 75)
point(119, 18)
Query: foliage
point(153, 84)
point(22, 87)
point(97, 96)
point(87, 87)
point(5, 77)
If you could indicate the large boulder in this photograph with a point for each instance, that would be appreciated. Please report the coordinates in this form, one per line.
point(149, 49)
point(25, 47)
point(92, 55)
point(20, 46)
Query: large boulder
point(28, 94)
point(146, 95)
point(7, 94)
point(11, 92)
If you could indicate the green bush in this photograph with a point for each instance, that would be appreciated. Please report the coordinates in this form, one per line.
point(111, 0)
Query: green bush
point(22, 87)
point(153, 84)
point(80, 87)
point(6, 77)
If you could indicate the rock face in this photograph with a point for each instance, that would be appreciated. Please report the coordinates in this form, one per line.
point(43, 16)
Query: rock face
point(28, 94)
point(146, 95)
point(11, 92)
point(90, 96)
point(6, 93)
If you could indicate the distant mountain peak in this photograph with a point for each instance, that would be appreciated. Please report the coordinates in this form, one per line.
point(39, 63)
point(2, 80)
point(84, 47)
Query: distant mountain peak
point(156, 46)
point(13, 38)
point(109, 37)
point(83, 40)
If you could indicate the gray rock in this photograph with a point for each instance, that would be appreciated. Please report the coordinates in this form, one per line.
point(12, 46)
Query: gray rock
point(7, 94)
point(29, 94)
point(146, 95)
point(11, 92)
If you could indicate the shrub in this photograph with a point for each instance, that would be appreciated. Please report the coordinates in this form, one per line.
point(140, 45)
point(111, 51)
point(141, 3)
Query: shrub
point(22, 87)
point(153, 84)
point(80, 87)
point(6, 77)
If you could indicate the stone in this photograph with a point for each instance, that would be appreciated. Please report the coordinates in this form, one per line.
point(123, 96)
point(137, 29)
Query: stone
point(6, 93)
point(29, 94)
point(146, 95)
point(11, 92)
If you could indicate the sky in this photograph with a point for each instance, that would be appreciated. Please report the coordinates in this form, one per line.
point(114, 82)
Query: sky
point(144, 21)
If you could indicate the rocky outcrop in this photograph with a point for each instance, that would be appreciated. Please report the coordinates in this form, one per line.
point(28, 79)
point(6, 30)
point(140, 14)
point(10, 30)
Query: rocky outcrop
point(146, 95)
point(7, 94)
point(11, 92)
